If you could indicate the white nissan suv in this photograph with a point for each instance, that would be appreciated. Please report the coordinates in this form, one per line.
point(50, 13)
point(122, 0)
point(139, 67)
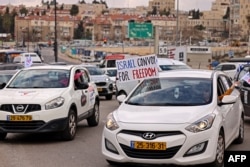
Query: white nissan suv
point(51, 98)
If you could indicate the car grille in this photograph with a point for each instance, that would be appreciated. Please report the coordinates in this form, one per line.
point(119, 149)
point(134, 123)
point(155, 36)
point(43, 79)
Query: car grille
point(150, 154)
point(21, 125)
point(101, 83)
point(158, 133)
point(20, 108)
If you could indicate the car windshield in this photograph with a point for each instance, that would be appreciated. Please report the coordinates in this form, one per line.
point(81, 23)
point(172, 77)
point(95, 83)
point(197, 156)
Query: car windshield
point(172, 92)
point(112, 73)
point(95, 71)
point(41, 78)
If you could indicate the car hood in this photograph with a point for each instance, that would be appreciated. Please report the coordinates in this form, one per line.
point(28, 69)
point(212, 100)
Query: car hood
point(29, 95)
point(170, 114)
point(99, 78)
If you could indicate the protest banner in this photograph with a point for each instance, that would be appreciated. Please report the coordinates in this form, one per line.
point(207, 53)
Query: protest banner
point(137, 68)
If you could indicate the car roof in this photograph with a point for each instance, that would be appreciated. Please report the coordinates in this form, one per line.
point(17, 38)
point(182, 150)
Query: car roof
point(7, 72)
point(196, 73)
point(88, 65)
point(167, 61)
point(243, 59)
point(65, 67)
point(11, 66)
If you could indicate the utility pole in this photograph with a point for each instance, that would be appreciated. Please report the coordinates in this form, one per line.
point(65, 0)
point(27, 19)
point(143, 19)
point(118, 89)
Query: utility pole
point(177, 23)
point(55, 42)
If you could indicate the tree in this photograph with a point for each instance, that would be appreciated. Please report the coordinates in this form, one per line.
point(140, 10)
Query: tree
point(95, 2)
point(154, 11)
point(7, 23)
point(62, 7)
point(7, 10)
point(79, 31)
point(74, 10)
point(226, 16)
point(82, 2)
point(200, 27)
point(23, 11)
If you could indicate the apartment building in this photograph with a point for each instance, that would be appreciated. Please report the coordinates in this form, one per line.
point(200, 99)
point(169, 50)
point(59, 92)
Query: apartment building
point(42, 28)
point(240, 18)
point(161, 5)
point(113, 23)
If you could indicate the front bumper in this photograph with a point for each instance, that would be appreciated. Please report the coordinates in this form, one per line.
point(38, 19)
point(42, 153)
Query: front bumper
point(177, 146)
point(33, 126)
point(41, 120)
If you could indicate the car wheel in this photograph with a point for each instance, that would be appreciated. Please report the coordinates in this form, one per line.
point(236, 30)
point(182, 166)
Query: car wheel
point(70, 130)
point(3, 136)
point(93, 120)
point(240, 138)
point(220, 150)
point(109, 97)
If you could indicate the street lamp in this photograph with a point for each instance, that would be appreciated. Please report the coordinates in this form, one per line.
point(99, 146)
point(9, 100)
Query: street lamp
point(55, 42)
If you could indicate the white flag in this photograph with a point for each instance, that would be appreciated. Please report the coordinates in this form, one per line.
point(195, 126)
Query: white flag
point(28, 61)
point(246, 77)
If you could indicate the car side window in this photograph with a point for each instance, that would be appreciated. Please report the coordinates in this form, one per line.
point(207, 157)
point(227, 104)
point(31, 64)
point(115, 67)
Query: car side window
point(224, 83)
point(228, 67)
point(85, 76)
point(243, 72)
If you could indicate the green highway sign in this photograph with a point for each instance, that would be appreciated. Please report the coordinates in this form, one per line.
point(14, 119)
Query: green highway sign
point(140, 30)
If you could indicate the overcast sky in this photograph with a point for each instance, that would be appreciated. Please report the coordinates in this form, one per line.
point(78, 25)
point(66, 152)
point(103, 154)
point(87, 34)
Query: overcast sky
point(183, 4)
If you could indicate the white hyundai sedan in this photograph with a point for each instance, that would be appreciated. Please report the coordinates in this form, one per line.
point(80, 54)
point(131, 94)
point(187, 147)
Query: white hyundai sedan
point(176, 118)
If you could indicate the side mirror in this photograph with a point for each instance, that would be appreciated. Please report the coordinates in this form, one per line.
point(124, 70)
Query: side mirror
point(245, 84)
point(82, 86)
point(2, 85)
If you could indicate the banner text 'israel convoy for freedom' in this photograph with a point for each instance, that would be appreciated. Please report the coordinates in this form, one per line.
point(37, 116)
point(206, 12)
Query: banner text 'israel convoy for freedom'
point(137, 68)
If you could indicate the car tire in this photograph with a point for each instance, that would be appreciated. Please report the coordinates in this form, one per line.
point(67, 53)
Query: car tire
point(220, 151)
point(93, 120)
point(3, 135)
point(109, 97)
point(240, 137)
point(70, 130)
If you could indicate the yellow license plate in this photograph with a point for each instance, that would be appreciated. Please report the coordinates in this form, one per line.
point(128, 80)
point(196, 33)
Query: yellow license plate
point(99, 89)
point(148, 145)
point(19, 118)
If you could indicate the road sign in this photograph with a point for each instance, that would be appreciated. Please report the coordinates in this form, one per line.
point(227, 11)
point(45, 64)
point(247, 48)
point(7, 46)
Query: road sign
point(231, 53)
point(173, 52)
point(140, 30)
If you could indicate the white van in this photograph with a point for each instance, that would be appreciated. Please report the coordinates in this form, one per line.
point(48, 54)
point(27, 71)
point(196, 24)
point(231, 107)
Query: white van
point(165, 64)
point(21, 58)
point(110, 60)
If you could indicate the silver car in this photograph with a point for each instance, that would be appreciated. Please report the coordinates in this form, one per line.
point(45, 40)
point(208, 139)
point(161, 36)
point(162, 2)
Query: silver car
point(103, 82)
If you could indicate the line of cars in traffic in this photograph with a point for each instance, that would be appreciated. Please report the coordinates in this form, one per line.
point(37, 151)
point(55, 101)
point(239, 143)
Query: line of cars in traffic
point(175, 118)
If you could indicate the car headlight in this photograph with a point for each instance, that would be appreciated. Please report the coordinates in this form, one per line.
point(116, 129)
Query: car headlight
point(54, 103)
point(111, 123)
point(108, 79)
point(202, 124)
